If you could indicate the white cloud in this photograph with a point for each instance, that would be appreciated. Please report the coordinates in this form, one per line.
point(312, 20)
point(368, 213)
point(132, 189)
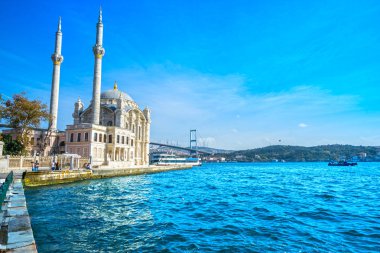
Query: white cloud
point(183, 99)
point(206, 141)
point(302, 125)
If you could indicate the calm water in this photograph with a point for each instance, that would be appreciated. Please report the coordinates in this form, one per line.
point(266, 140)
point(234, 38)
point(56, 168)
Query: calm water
point(299, 207)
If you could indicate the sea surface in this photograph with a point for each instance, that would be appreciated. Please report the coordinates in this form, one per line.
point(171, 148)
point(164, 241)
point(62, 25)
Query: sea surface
point(230, 207)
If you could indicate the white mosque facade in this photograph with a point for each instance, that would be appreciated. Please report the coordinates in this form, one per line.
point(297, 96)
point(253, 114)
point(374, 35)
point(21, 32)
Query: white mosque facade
point(120, 138)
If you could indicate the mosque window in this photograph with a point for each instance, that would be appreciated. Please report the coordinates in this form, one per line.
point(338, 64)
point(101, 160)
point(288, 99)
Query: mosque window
point(132, 142)
point(133, 128)
point(110, 138)
point(122, 139)
point(118, 139)
point(78, 137)
point(95, 137)
point(105, 138)
point(100, 137)
point(85, 136)
point(71, 137)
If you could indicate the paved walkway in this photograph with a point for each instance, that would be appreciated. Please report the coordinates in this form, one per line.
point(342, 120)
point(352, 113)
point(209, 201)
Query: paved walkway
point(16, 220)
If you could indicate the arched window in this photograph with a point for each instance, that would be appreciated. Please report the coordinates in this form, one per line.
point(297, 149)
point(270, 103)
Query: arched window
point(95, 136)
point(105, 138)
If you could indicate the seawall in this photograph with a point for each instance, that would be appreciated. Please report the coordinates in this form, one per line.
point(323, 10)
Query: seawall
point(41, 178)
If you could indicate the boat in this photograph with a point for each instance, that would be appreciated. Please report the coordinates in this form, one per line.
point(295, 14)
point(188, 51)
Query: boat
point(342, 163)
point(171, 159)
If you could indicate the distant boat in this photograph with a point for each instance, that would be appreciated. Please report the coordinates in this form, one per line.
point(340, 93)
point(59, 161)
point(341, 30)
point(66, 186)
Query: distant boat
point(342, 163)
point(169, 159)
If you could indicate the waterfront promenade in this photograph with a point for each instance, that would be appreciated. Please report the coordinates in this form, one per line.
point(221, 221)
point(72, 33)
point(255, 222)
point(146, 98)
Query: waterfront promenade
point(48, 177)
point(16, 231)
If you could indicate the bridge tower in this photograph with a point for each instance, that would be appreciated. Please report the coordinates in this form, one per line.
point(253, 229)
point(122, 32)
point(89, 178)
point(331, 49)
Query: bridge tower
point(193, 141)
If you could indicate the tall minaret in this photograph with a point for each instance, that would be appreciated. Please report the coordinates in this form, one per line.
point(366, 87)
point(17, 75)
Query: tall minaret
point(57, 59)
point(98, 52)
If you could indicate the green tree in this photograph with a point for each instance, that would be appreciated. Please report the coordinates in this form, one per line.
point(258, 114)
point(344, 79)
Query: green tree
point(23, 115)
point(12, 147)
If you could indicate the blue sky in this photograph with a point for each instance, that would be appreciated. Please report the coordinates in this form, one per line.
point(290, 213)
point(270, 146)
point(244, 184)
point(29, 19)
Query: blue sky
point(245, 74)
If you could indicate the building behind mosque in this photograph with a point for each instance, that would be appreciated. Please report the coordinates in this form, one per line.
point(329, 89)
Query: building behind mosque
point(111, 131)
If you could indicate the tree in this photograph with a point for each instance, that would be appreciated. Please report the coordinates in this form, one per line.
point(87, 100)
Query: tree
point(23, 115)
point(12, 147)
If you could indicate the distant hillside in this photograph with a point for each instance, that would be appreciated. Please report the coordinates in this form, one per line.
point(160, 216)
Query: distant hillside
point(214, 150)
point(306, 154)
point(184, 152)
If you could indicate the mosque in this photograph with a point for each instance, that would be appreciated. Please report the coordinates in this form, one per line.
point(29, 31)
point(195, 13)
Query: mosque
point(112, 130)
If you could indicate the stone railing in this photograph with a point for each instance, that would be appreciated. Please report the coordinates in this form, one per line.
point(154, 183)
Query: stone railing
point(4, 185)
point(9, 163)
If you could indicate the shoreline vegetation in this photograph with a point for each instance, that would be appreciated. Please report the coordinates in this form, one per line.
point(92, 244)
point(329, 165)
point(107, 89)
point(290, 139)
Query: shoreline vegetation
point(322, 153)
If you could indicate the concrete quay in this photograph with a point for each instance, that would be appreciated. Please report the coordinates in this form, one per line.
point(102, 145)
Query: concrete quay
point(46, 177)
point(16, 230)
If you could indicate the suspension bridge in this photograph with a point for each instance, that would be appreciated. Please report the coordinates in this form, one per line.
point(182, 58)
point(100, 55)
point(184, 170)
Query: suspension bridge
point(192, 147)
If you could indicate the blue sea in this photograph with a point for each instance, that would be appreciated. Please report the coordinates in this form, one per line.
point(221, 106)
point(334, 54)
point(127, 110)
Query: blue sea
point(230, 207)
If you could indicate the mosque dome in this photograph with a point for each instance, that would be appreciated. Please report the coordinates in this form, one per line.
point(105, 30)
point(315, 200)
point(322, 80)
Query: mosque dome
point(115, 93)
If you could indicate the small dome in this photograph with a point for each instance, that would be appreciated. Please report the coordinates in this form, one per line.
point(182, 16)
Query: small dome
point(115, 94)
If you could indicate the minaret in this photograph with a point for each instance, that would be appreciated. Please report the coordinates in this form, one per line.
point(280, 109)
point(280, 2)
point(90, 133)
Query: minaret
point(57, 59)
point(98, 52)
